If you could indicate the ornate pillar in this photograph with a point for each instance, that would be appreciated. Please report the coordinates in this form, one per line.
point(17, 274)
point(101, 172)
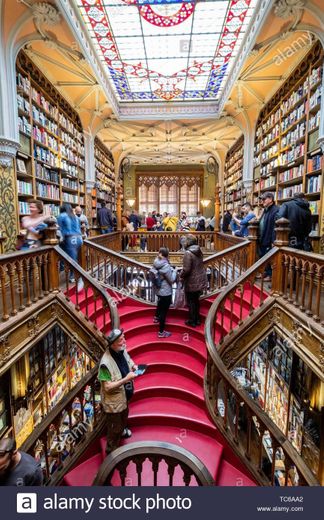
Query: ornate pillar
point(9, 144)
point(90, 173)
point(8, 194)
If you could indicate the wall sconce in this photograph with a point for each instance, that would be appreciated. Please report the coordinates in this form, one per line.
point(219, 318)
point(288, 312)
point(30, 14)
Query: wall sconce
point(205, 202)
point(130, 202)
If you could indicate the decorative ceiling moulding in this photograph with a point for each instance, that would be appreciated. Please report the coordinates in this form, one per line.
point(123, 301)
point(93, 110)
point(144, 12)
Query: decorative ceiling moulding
point(169, 180)
point(258, 19)
point(71, 14)
point(8, 151)
point(288, 8)
point(184, 110)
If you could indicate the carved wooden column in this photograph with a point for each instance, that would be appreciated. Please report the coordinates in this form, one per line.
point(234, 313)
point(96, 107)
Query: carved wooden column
point(8, 197)
point(282, 230)
point(51, 232)
point(119, 208)
point(253, 238)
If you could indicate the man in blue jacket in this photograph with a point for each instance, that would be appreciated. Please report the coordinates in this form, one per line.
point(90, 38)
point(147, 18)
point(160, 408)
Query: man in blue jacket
point(267, 228)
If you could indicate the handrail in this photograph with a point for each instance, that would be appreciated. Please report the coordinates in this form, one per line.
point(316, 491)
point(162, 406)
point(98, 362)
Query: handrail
point(67, 430)
point(228, 403)
point(29, 276)
point(154, 452)
point(126, 274)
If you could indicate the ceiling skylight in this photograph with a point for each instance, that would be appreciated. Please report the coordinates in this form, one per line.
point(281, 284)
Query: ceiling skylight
point(167, 50)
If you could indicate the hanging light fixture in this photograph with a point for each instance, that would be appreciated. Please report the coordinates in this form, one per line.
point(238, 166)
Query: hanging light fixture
point(205, 202)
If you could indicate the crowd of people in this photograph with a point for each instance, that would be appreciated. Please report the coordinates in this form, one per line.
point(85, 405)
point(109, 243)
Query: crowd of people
point(296, 210)
point(154, 221)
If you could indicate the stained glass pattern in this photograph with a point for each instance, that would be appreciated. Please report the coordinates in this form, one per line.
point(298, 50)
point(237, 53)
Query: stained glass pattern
point(167, 50)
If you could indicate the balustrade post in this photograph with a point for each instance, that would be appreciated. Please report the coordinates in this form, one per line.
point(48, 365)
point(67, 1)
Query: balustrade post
point(282, 230)
point(53, 271)
point(253, 238)
point(50, 232)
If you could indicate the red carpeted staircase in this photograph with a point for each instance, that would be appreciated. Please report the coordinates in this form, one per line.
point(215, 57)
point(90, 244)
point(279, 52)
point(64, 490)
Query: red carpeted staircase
point(168, 404)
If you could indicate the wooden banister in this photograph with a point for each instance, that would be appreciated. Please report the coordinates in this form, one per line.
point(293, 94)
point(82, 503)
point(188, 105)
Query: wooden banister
point(155, 452)
point(298, 277)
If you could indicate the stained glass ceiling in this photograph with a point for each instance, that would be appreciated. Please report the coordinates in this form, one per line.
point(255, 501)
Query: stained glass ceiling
point(167, 50)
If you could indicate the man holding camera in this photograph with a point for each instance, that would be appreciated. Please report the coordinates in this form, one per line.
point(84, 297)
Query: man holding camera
point(116, 375)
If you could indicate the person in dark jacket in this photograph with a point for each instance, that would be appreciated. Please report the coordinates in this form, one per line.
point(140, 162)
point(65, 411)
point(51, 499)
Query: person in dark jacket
point(194, 277)
point(168, 276)
point(105, 219)
point(267, 228)
point(16, 467)
point(226, 221)
point(300, 221)
point(134, 218)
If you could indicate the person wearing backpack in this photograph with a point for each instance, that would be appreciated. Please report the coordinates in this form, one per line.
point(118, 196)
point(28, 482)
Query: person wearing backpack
point(165, 276)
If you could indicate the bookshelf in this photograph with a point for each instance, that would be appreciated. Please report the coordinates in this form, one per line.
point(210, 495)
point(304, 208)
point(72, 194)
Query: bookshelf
point(234, 192)
point(105, 190)
point(287, 158)
point(50, 165)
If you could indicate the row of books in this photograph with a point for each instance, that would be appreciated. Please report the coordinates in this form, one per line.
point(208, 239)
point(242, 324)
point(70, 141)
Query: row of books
point(23, 103)
point(70, 127)
point(292, 173)
point(291, 137)
point(46, 139)
point(69, 197)
point(266, 183)
point(47, 190)
point(24, 125)
point(314, 163)
point(41, 118)
point(294, 116)
point(271, 135)
point(315, 98)
point(45, 155)
point(288, 193)
point(39, 98)
point(23, 83)
point(314, 121)
point(26, 188)
point(296, 96)
point(68, 183)
point(270, 122)
point(45, 173)
point(291, 155)
point(314, 184)
point(270, 152)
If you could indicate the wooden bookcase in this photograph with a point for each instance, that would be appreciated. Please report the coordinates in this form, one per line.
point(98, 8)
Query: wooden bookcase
point(286, 156)
point(50, 164)
point(234, 192)
point(105, 190)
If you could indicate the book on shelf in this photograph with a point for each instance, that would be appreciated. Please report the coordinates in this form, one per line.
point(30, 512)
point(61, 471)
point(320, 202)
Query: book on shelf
point(21, 166)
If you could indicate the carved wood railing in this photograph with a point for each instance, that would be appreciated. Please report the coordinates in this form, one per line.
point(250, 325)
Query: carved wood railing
point(298, 280)
point(181, 466)
point(151, 241)
point(132, 278)
point(67, 430)
point(26, 277)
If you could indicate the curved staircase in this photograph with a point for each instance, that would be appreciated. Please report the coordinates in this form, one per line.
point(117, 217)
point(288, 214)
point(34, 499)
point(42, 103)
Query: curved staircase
point(168, 404)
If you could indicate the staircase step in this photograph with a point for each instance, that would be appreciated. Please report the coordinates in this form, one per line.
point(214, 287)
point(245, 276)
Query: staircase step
point(228, 475)
point(168, 407)
point(175, 343)
point(164, 354)
point(84, 474)
point(176, 377)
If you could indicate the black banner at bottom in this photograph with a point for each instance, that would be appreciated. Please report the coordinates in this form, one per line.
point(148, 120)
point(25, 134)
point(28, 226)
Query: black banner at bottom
point(158, 503)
